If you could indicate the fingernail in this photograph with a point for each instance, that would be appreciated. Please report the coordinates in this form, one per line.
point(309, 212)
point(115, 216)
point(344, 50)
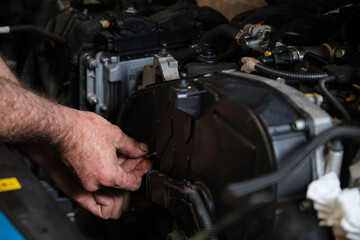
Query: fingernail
point(143, 147)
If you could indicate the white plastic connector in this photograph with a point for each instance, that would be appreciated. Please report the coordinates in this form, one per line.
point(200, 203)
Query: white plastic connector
point(4, 29)
point(248, 64)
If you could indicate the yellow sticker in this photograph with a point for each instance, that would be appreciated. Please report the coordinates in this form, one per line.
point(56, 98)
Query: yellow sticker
point(9, 184)
point(267, 54)
point(351, 98)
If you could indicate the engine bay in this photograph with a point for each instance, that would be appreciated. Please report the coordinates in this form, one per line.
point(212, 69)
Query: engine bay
point(240, 116)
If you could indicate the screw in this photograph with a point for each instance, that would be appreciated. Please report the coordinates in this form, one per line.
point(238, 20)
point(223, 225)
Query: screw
point(163, 52)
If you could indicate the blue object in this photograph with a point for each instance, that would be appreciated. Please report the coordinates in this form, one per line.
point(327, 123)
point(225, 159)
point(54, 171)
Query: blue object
point(7, 229)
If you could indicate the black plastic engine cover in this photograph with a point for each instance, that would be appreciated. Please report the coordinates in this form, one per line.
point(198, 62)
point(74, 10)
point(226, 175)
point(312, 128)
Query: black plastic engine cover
point(220, 130)
point(129, 33)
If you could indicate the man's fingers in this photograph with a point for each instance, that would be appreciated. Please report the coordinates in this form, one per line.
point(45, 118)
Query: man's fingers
point(132, 180)
point(128, 147)
point(106, 204)
point(118, 198)
point(130, 164)
point(143, 167)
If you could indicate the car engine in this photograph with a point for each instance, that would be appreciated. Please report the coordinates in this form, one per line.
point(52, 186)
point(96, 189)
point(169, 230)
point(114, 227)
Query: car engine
point(243, 118)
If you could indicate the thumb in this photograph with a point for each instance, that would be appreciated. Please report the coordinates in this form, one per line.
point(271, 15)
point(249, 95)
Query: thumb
point(128, 147)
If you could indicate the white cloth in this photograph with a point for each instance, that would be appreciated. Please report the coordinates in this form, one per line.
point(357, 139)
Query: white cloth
point(339, 209)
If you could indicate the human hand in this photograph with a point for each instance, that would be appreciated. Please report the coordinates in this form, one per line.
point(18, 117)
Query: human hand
point(100, 154)
point(105, 203)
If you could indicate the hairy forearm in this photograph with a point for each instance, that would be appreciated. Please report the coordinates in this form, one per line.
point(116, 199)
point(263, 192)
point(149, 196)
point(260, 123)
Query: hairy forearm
point(26, 115)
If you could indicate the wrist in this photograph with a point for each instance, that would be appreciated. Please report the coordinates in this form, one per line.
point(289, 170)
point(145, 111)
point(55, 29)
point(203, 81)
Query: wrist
point(61, 125)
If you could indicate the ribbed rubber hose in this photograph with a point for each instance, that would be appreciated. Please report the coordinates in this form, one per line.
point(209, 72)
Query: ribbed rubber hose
point(201, 211)
point(332, 99)
point(296, 161)
point(31, 28)
point(273, 72)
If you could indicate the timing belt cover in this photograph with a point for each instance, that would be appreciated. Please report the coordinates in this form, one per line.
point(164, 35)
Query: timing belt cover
point(220, 130)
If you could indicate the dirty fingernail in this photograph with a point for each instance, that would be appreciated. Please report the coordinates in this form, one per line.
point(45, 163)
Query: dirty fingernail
point(143, 147)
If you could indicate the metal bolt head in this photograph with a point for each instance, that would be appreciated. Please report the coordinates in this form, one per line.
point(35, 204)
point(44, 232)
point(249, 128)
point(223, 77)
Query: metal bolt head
point(163, 52)
point(91, 63)
point(104, 59)
point(103, 108)
point(183, 74)
point(280, 80)
point(299, 125)
point(131, 9)
point(340, 53)
point(114, 59)
point(92, 99)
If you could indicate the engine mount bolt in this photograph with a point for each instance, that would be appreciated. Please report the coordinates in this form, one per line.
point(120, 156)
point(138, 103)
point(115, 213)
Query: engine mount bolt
point(299, 125)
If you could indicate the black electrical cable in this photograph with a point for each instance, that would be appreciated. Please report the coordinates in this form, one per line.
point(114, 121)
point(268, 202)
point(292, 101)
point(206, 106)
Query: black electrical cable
point(288, 75)
point(332, 99)
point(296, 160)
point(201, 212)
point(248, 208)
point(31, 28)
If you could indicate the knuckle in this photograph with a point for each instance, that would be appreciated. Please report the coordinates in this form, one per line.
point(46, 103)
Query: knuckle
point(135, 186)
point(90, 187)
point(106, 179)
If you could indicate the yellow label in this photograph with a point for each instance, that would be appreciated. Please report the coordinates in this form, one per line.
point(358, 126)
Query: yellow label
point(9, 184)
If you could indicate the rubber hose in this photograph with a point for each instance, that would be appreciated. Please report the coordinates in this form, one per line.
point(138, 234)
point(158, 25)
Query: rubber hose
point(31, 28)
point(275, 36)
point(332, 99)
point(240, 17)
point(288, 75)
point(201, 211)
point(296, 161)
point(222, 31)
point(278, 33)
